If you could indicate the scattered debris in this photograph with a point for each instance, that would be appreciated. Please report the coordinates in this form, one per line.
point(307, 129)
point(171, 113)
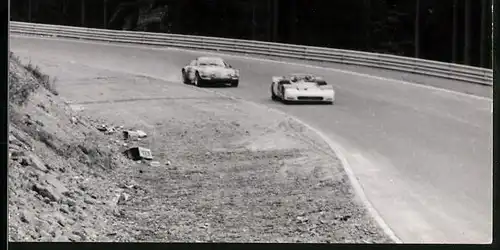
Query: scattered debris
point(134, 135)
point(123, 198)
point(141, 133)
point(47, 192)
point(102, 128)
point(302, 219)
point(106, 129)
point(27, 217)
point(89, 201)
point(154, 164)
point(138, 153)
point(168, 163)
point(128, 185)
point(34, 161)
point(344, 218)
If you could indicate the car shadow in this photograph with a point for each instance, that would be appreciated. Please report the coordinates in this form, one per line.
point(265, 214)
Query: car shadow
point(218, 86)
point(299, 103)
point(306, 103)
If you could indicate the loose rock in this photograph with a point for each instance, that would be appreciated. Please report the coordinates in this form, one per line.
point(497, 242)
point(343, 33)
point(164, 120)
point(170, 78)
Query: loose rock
point(27, 217)
point(48, 192)
point(123, 198)
point(36, 162)
point(62, 238)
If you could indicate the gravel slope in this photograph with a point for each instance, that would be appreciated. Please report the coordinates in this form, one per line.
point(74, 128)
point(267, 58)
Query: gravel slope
point(223, 170)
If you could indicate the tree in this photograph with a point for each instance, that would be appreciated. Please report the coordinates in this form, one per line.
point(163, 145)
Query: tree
point(454, 38)
point(467, 34)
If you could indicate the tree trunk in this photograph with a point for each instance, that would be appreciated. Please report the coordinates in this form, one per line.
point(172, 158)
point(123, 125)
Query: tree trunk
point(254, 23)
point(455, 32)
point(293, 21)
point(496, 62)
point(83, 13)
point(105, 14)
point(467, 33)
point(275, 20)
point(29, 11)
point(269, 21)
point(367, 24)
point(417, 29)
point(482, 49)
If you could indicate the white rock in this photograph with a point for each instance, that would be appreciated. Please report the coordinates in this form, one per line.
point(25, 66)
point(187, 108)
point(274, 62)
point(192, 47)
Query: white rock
point(141, 133)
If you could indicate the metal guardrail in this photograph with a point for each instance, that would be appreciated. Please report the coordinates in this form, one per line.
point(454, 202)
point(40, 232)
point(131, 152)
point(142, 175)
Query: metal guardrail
point(382, 61)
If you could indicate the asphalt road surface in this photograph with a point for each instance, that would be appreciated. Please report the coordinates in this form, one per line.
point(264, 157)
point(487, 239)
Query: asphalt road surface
point(422, 155)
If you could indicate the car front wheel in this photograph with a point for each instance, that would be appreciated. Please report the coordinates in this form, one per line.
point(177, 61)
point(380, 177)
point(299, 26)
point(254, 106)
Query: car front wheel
point(274, 97)
point(198, 82)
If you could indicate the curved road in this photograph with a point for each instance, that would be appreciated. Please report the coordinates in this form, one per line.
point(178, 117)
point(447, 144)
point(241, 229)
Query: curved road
point(422, 155)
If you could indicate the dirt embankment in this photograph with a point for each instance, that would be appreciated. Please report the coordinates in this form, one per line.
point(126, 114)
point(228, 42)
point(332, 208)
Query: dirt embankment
point(221, 170)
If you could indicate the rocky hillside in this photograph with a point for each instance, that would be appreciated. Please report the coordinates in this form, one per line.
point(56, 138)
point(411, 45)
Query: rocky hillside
point(57, 163)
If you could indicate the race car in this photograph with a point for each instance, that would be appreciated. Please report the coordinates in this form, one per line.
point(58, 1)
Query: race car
point(210, 71)
point(301, 88)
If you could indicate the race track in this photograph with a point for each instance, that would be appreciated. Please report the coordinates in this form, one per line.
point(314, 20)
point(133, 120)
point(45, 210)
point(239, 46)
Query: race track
point(422, 155)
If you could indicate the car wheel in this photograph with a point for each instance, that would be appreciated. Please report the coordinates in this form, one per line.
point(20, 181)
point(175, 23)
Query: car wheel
point(198, 82)
point(184, 78)
point(235, 84)
point(273, 96)
point(283, 98)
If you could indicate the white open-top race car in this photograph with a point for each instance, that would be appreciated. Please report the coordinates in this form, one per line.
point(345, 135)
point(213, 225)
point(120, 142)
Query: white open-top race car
point(210, 71)
point(302, 88)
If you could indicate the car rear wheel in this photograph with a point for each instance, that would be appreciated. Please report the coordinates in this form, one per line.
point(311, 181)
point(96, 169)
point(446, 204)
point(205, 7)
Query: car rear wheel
point(184, 78)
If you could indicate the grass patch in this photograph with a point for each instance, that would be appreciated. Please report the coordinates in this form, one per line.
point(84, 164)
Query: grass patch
point(42, 78)
point(20, 86)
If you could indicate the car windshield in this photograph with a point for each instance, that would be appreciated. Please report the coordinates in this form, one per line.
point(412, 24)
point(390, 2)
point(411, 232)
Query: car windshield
point(302, 77)
point(211, 62)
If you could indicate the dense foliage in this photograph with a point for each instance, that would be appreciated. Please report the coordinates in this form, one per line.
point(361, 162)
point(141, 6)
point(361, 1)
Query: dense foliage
point(386, 26)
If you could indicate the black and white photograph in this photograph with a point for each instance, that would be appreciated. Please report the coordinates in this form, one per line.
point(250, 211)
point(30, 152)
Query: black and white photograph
point(250, 121)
